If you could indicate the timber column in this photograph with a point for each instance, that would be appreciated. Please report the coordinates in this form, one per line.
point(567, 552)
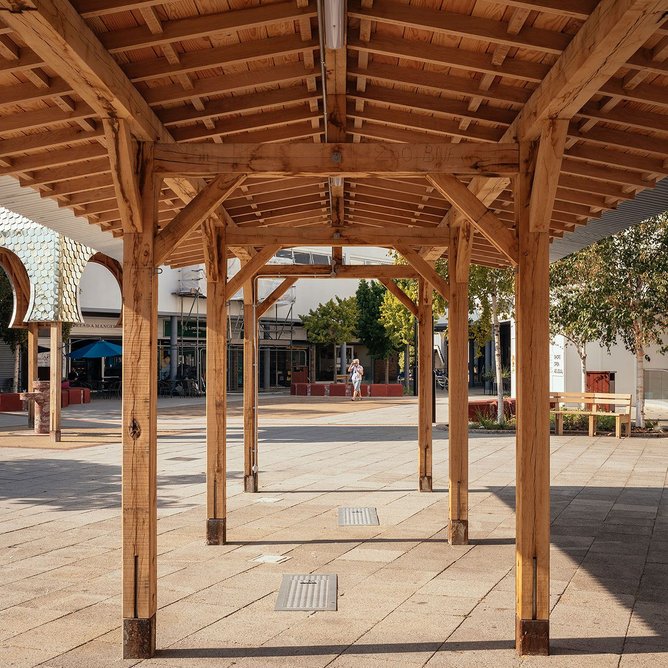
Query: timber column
point(458, 381)
point(139, 418)
point(532, 550)
point(250, 389)
point(56, 378)
point(425, 385)
point(215, 253)
point(33, 335)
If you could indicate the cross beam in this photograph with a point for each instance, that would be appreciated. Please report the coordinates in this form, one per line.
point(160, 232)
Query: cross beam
point(350, 160)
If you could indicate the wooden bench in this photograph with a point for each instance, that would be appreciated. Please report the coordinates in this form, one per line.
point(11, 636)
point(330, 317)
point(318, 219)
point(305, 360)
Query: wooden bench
point(593, 404)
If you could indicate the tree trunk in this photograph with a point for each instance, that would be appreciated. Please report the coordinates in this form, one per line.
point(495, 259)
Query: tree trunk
point(17, 368)
point(387, 371)
point(582, 352)
point(496, 328)
point(640, 387)
point(407, 366)
point(334, 358)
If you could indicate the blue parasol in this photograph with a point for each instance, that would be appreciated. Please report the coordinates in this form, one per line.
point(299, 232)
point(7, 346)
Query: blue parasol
point(95, 350)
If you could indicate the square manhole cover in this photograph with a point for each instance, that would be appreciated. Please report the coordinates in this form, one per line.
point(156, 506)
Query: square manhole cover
point(349, 517)
point(307, 592)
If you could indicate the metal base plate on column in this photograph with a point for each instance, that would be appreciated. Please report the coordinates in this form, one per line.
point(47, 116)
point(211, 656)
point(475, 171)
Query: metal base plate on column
point(458, 532)
point(425, 483)
point(138, 638)
point(215, 531)
point(250, 483)
point(532, 637)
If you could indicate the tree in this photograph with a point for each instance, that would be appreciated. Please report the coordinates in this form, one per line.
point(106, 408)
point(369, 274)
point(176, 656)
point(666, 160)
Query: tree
point(14, 338)
point(492, 290)
point(398, 322)
point(575, 308)
point(370, 328)
point(632, 292)
point(332, 323)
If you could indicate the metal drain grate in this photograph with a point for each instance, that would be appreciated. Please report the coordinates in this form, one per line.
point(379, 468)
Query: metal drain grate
point(307, 592)
point(349, 517)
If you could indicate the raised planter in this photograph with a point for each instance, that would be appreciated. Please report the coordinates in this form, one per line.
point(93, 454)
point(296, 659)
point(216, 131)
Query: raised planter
point(345, 390)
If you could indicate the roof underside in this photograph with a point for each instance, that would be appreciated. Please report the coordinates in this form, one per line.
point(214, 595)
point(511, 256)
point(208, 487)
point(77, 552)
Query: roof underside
point(414, 71)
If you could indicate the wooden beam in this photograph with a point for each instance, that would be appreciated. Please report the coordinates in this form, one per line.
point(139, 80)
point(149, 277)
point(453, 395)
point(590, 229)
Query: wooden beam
point(425, 354)
point(484, 220)
point(204, 26)
point(274, 296)
point(460, 26)
point(346, 236)
point(303, 159)
point(249, 270)
point(369, 271)
point(403, 298)
point(532, 547)
point(200, 207)
point(139, 427)
point(122, 151)
point(250, 386)
point(426, 270)
point(614, 31)
point(215, 253)
point(545, 178)
point(459, 258)
point(55, 378)
point(60, 36)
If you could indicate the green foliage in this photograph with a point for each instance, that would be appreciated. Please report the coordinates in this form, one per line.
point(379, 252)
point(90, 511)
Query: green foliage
point(333, 322)
point(370, 328)
point(12, 337)
point(633, 285)
point(490, 290)
point(486, 422)
point(576, 298)
point(396, 319)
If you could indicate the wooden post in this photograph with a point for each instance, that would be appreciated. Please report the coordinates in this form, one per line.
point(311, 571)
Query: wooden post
point(56, 378)
point(215, 254)
point(425, 386)
point(532, 551)
point(139, 422)
point(33, 335)
point(250, 389)
point(458, 381)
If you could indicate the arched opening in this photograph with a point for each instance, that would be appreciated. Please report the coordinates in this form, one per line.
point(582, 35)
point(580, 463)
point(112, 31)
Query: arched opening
point(18, 278)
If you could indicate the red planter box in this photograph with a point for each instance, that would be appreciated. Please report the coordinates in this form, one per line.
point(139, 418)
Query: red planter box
point(65, 399)
point(395, 390)
point(10, 401)
point(378, 390)
point(300, 389)
point(337, 390)
point(317, 390)
point(76, 395)
point(482, 407)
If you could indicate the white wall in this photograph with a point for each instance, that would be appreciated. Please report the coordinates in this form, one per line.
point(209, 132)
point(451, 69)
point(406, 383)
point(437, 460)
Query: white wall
point(98, 290)
point(618, 360)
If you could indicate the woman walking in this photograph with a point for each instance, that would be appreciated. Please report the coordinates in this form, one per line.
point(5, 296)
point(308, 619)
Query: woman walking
point(356, 371)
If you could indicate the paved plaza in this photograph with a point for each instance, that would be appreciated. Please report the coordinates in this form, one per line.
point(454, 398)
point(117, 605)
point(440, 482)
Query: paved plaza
point(405, 597)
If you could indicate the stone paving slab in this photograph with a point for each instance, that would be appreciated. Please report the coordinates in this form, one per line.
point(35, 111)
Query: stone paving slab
point(406, 598)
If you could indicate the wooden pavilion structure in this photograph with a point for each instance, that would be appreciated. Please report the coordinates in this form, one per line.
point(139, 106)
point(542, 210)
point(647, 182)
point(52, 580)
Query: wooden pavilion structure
point(476, 130)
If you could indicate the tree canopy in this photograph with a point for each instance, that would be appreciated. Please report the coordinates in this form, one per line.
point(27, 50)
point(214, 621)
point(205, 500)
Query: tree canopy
point(333, 322)
point(370, 327)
